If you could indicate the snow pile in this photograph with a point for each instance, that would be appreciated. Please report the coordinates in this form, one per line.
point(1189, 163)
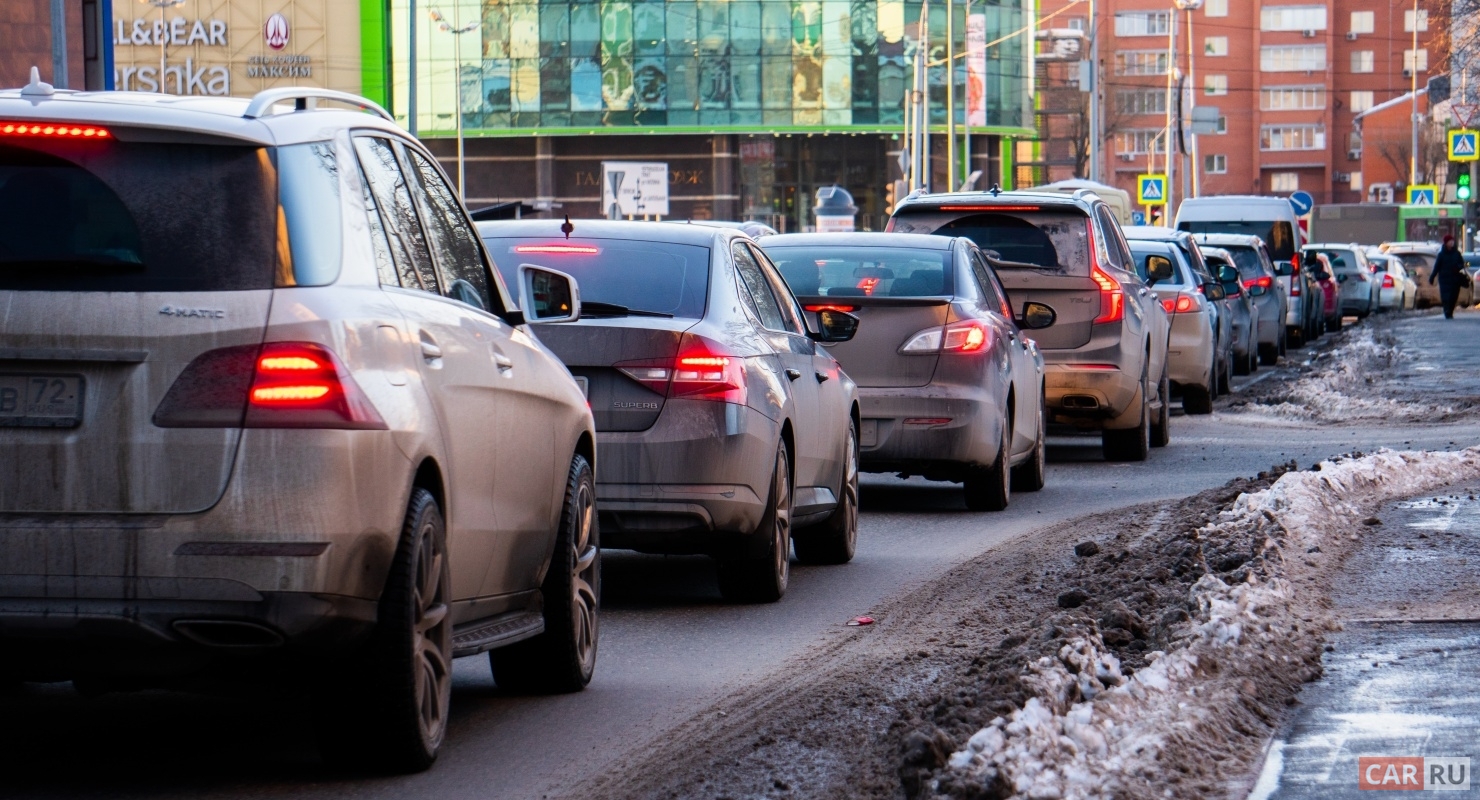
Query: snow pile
point(1090, 731)
point(1341, 385)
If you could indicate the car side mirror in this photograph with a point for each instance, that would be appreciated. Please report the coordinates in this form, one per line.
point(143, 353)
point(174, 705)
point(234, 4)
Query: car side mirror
point(1214, 291)
point(1227, 274)
point(832, 326)
point(1283, 269)
point(1037, 316)
point(1158, 268)
point(548, 295)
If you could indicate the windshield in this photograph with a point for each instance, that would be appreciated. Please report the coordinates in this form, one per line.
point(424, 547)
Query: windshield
point(864, 271)
point(1341, 260)
point(1142, 252)
point(1278, 235)
point(110, 216)
point(1416, 260)
point(658, 277)
point(1046, 238)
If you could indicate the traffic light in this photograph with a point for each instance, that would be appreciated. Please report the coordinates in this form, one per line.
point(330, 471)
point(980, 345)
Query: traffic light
point(1462, 189)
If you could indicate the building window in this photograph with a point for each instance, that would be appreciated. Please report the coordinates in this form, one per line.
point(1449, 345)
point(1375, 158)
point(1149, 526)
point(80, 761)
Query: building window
point(1215, 165)
point(1215, 85)
point(1423, 20)
point(1216, 8)
point(1141, 101)
point(1361, 101)
point(1141, 62)
point(1215, 46)
point(1297, 58)
point(1284, 181)
point(1143, 23)
point(1140, 142)
point(1292, 137)
point(1292, 98)
point(1293, 18)
point(1363, 61)
point(1357, 181)
point(1077, 23)
point(1364, 21)
point(1416, 59)
point(1222, 125)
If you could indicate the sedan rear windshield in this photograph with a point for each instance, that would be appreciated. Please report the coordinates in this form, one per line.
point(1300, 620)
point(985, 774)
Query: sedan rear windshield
point(864, 271)
point(1278, 235)
point(1416, 260)
point(655, 277)
point(1250, 265)
point(1141, 253)
point(1053, 239)
point(112, 216)
point(1348, 260)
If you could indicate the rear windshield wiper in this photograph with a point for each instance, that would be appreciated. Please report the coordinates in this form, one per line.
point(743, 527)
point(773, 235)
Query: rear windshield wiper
point(597, 309)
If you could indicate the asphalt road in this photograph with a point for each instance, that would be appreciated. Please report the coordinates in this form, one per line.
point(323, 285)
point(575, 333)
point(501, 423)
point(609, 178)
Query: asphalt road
point(669, 646)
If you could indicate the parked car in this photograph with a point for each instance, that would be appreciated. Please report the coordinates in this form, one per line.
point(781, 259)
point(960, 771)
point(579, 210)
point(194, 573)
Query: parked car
point(722, 427)
point(1222, 306)
point(1245, 317)
point(292, 418)
point(950, 383)
point(1105, 365)
point(1358, 294)
point(1325, 275)
point(1274, 221)
point(752, 228)
point(1261, 283)
point(1397, 291)
point(1419, 258)
point(1189, 299)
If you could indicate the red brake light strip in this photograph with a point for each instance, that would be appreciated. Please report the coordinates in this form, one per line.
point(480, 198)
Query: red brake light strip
point(559, 249)
point(54, 129)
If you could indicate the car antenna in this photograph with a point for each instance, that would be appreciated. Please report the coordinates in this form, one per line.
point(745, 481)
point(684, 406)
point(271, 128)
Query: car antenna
point(996, 189)
point(567, 228)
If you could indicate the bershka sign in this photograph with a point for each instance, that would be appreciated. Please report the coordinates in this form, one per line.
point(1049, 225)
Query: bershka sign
point(1413, 773)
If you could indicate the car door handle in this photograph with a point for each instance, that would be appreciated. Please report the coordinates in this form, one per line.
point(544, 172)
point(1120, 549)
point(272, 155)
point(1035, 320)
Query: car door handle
point(429, 349)
point(503, 362)
point(821, 376)
point(793, 374)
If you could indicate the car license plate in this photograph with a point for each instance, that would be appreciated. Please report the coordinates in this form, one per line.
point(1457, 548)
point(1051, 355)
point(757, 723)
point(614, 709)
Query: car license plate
point(40, 401)
point(585, 384)
point(868, 433)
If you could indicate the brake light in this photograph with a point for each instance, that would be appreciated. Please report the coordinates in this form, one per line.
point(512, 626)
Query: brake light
point(960, 337)
point(1387, 282)
point(1264, 281)
point(1295, 264)
point(558, 249)
point(1181, 304)
point(1112, 297)
point(53, 129)
point(276, 385)
point(844, 309)
point(991, 208)
point(702, 371)
point(868, 285)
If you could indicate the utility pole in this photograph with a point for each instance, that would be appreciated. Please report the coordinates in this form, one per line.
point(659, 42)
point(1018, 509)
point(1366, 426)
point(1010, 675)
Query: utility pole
point(1095, 133)
point(411, 68)
point(457, 33)
point(1413, 88)
point(1168, 204)
point(951, 95)
point(59, 44)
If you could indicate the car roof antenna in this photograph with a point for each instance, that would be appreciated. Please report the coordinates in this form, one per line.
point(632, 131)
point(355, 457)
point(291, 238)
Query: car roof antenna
point(567, 228)
point(996, 189)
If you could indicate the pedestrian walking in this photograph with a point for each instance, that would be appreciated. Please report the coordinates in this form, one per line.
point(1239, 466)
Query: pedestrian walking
point(1449, 270)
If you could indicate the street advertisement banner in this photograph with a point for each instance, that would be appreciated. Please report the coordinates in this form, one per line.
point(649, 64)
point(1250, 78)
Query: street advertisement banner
point(976, 69)
point(634, 188)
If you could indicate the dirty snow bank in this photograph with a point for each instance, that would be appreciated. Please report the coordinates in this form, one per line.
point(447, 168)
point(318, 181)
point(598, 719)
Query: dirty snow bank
point(1089, 730)
point(1348, 382)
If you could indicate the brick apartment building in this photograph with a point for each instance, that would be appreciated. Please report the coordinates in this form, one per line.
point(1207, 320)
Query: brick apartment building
point(26, 41)
point(1289, 78)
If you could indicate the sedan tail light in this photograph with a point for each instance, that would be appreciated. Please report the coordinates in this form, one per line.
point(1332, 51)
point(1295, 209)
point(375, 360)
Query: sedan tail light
point(1264, 281)
point(960, 337)
point(701, 371)
point(1181, 304)
point(276, 385)
point(1387, 282)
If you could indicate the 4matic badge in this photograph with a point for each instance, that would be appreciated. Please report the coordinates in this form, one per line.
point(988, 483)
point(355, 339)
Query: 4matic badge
point(209, 313)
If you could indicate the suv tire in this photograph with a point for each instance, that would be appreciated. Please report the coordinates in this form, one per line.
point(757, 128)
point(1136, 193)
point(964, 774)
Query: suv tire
point(1028, 476)
point(762, 578)
point(834, 540)
point(382, 718)
point(990, 488)
point(1161, 427)
point(1133, 444)
point(563, 658)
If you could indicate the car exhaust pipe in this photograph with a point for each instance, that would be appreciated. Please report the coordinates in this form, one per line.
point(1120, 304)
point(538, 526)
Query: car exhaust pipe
point(1080, 401)
point(228, 634)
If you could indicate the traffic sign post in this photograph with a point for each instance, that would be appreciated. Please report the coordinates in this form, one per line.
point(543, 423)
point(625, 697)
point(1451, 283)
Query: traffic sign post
point(1151, 190)
point(1302, 202)
point(1425, 194)
point(1464, 145)
point(1464, 114)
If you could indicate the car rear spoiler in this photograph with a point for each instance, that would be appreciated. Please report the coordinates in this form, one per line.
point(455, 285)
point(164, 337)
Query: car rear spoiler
point(876, 302)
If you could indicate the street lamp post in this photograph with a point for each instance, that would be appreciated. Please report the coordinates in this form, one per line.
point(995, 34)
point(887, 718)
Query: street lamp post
point(1190, 187)
point(457, 32)
point(163, 33)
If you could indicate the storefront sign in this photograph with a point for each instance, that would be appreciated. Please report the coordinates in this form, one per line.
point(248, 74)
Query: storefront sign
point(976, 69)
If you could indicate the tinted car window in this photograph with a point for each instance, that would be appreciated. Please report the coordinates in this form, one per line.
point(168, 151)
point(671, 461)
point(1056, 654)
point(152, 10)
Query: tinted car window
point(784, 296)
point(831, 271)
point(308, 189)
point(452, 237)
point(641, 276)
point(991, 290)
point(764, 302)
point(1055, 239)
point(398, 214)
point(1349, 262)
point(110, 216)
point(1278, 236)
point(1115, 248)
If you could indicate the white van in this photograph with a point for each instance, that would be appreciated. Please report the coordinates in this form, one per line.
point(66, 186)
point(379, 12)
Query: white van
point(1119, 200)
point(1272, 219)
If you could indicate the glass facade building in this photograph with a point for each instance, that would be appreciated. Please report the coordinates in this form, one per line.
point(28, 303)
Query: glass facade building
point(577, 66)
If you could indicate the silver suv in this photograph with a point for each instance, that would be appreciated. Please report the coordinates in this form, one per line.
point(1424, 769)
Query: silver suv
point(266, 407)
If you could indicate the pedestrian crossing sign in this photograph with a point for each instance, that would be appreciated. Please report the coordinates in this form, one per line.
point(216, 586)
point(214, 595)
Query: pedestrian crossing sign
point(1464, 145)
point(1423, 194)
point(1151, 190)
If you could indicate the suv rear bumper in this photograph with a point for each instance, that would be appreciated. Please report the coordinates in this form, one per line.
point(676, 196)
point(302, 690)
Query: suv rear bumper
point(900, 432)
point(66, 628)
